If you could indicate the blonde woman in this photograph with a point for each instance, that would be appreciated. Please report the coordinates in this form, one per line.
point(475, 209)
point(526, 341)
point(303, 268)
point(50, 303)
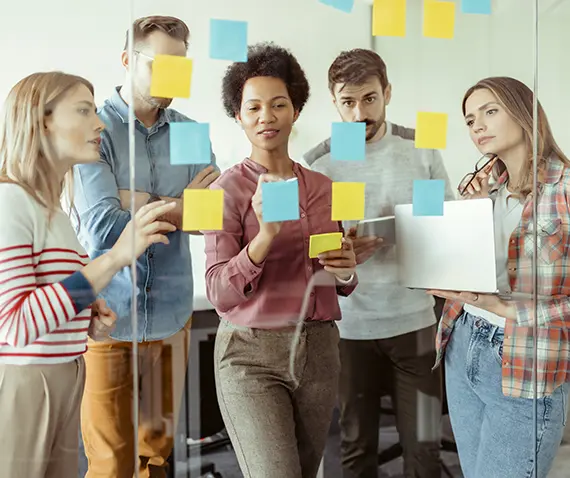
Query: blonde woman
point(47, 284)
point(488, 342)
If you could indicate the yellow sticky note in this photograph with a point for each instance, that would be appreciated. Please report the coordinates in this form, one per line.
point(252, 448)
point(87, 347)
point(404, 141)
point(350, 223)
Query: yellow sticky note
point(318, 243)
point(171, 76)
point(389, 18)
point(347, 201)
point(203, 210)
point(439, 19)
point(431, 130)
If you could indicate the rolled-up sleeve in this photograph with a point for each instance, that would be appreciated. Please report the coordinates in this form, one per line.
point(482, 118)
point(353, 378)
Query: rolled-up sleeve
point(98, 204)
point(231, 277)
point(346, 290)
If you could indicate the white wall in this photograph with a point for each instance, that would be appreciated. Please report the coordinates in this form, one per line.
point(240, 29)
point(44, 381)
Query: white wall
point(86, 38)
point(429, 74)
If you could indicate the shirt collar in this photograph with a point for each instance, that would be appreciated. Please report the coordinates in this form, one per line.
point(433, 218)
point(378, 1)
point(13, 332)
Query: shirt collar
point(259, 169)
point(122, 109)
point(554, 168)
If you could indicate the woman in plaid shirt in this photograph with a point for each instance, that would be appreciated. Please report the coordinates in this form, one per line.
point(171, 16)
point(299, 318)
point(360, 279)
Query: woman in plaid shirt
point(488, 342)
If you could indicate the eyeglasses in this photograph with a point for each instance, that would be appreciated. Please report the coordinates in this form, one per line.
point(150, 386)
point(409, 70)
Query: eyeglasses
point(483, 162)
point(151, 58)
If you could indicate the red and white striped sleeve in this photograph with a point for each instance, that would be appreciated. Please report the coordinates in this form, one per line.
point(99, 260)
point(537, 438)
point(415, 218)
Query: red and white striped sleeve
point(29, 311)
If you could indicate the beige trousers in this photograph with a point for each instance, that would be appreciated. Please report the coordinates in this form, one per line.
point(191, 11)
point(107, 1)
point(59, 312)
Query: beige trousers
point(39, 419)
point(278, 429)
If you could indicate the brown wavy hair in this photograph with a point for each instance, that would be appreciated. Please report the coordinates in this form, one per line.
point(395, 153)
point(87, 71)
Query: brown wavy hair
point(517, 99)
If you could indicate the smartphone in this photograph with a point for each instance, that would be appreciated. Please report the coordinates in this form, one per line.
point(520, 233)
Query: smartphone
point(384, 227)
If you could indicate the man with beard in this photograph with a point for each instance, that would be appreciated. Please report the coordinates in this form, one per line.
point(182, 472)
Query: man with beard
point(387, 331)
point(164, 286)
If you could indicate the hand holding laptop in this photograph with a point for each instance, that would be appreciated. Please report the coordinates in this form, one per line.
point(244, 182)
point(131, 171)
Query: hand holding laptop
point(489, 302)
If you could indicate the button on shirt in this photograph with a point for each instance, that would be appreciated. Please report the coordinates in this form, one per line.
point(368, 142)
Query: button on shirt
point(164, 287)
point(553, 313)
point(270, 295)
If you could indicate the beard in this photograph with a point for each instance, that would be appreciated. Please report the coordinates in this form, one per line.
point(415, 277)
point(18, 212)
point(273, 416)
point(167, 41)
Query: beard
point(160, 103)
point(154, 101)
point(372, 127)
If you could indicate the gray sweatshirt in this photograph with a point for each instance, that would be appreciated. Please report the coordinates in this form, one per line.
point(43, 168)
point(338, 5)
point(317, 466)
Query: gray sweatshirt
point(379, 307)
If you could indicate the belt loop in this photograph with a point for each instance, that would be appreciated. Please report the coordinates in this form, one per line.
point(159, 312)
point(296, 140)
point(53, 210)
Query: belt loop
point(493, 332)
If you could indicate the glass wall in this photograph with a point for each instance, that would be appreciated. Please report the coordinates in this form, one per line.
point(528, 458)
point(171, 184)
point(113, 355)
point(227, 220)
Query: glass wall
point(208, 203)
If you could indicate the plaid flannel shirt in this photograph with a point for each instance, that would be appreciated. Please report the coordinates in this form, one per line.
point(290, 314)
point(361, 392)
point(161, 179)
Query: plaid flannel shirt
point(553, 317)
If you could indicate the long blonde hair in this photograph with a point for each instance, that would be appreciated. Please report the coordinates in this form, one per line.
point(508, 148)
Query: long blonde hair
point(517, 99)
point(26, 157)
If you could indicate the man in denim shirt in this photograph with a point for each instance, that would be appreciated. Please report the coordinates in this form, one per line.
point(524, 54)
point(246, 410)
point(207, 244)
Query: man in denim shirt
point(164, 288)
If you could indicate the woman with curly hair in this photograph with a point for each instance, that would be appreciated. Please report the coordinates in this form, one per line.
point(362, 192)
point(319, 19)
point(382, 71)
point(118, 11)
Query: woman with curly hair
point(258, 273)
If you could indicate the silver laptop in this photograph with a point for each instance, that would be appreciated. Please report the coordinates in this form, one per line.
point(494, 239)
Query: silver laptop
point(455, 251)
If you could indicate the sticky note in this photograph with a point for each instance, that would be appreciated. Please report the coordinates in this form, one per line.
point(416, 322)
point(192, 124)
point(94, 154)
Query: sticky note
point(343, 5)
point(431, 130)
point(228, 40)
point(348, 141)
point(439, 19)
point(428, 197)
point(347, 201)
point(389, 18)
point(203, 210)
point(171, 76)
point(280, 201)
point(190, 143)
point(318, 243)
point(482, 7)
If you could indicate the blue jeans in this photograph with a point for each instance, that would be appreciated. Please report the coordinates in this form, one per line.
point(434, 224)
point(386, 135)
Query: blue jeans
point(494, 432)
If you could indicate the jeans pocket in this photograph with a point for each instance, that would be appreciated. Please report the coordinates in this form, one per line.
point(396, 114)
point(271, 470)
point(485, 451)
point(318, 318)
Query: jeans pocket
point(498, 351)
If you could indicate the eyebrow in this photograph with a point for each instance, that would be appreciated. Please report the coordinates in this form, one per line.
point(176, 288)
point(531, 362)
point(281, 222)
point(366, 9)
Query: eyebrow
point(367, 95)
point(482, 107)
point(272, 99)
point(86, 103)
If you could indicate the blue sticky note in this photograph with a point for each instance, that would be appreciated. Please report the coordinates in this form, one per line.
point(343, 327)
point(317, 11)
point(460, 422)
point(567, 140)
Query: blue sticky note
point(343, 5)
point(428, 198)
point(190, 143)
point(348, 142)
point(476, 6)
point(228, 40)
point(280, 201)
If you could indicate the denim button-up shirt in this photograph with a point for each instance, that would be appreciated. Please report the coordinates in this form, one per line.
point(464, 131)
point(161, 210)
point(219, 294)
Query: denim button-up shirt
point(164, 287)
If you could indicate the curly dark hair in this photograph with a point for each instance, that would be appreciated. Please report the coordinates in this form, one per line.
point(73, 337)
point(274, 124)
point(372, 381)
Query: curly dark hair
point(265, 59)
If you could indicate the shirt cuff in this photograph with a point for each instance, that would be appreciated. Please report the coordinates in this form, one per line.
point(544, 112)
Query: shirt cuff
point(246, 267)
point(345, 281)
point(79, 290)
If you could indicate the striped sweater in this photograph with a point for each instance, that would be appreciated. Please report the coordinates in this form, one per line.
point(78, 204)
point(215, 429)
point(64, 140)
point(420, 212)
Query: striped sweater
point(45, 302)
